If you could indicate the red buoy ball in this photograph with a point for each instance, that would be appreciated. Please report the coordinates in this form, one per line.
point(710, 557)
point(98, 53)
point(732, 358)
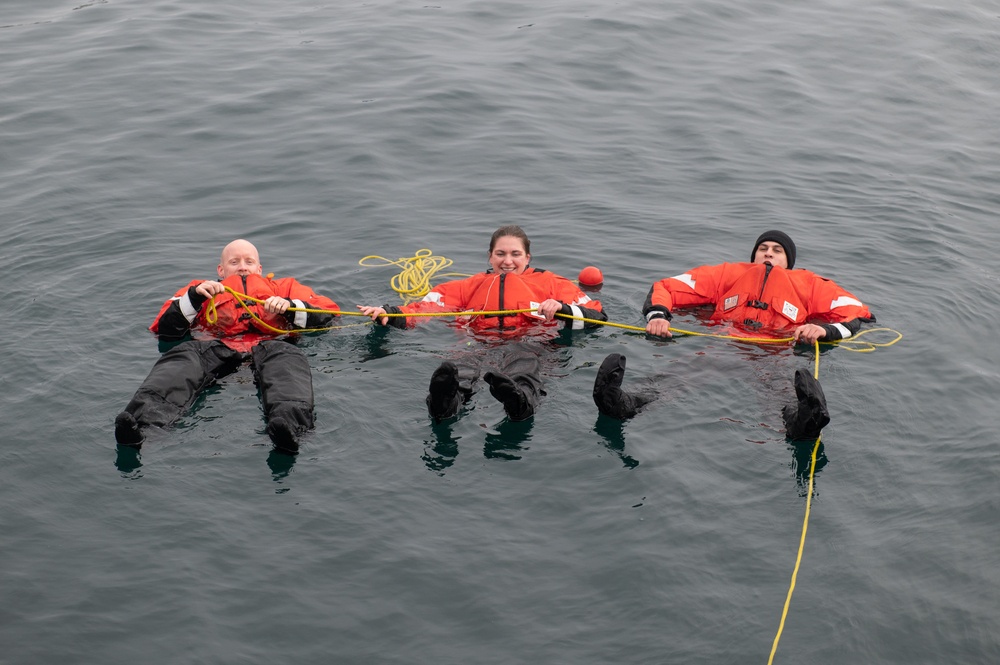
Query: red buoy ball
point(591, 276)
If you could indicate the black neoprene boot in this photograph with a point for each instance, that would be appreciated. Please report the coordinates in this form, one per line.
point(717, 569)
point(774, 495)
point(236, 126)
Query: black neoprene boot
point(610, 399)
point(515, 401)
point(809, 415)
point(443, 399)
point(282, 435)
point(127, 430)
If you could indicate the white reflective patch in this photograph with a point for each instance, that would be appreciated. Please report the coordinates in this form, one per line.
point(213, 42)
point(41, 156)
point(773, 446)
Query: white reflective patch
point(300, 317)
point(187, 308)
point(577, 324)
point(434, 297)
point(730, 302)
point(686, 278)
point(791, 311)
point(844, 332)
point(845, 300)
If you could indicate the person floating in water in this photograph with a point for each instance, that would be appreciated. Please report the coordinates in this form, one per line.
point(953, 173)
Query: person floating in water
point(762, 298)
point(226, 335)
point(510, 283)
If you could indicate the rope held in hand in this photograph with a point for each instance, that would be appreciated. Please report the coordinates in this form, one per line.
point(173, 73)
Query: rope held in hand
point(851, 344)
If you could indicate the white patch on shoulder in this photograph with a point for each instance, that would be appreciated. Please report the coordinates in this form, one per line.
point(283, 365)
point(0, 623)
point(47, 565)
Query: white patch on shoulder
point(844, 300)
point(730, 302)
point(791, 311)
point(686, 278)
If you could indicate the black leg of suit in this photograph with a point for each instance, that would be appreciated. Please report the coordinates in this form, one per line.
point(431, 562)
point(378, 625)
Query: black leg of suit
point(177, 378)
point(523, 366)
point(285, 382)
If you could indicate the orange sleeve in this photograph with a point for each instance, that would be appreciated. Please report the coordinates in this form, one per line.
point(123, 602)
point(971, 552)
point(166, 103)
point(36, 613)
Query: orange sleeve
point(700, 286)
point(831, 303)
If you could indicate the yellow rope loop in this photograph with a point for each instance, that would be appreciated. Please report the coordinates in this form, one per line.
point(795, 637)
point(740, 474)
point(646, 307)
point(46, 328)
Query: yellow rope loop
point(864, 346)
point(212, 315)
point(413, 281)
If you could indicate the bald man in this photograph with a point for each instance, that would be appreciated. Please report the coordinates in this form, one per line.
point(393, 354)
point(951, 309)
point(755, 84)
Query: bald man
point(215, 341)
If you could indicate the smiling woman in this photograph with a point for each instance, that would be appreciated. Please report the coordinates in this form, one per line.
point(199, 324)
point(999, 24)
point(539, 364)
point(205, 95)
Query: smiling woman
point(534, 297)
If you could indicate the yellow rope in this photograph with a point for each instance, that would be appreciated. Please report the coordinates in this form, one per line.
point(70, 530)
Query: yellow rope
point(849, 344)
point(212, 315)
point(798, 557)
point(805, 528)
point(414, 281)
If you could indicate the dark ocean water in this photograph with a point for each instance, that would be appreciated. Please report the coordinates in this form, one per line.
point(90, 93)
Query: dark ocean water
point(137, 138)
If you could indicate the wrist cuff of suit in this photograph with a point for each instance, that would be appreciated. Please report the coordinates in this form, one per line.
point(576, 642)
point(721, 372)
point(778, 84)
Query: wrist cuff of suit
point(658, 313)
point(197, 300)
point(394, 321)
point(834, 332)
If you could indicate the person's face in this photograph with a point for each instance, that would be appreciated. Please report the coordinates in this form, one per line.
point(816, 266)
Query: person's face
point(771, 252)
point(508, 255)
point(239, 258)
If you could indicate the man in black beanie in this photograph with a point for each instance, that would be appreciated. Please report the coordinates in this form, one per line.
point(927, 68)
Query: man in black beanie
point(762, 298)
point(782, 239)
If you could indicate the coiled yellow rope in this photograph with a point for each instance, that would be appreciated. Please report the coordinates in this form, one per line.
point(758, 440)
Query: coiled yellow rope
point(413, 282)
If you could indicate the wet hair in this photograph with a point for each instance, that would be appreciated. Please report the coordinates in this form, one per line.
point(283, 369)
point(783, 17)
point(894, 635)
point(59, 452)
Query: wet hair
point(515, 232)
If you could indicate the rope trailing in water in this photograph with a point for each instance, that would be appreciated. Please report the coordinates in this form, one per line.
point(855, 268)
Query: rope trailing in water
point(413, 282)
point(805, 528)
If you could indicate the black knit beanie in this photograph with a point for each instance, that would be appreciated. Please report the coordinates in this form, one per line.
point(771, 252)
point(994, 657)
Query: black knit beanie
point(780, 238)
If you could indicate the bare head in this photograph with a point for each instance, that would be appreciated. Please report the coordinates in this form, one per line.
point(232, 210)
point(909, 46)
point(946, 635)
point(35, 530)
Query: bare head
point(239, 257)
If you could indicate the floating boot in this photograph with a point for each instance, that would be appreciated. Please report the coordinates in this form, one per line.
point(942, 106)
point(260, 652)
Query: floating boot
point(806, 418)
point(282, 435)
point(515, 401)
point(127, 431)
point(443, 399)
point(610, 399)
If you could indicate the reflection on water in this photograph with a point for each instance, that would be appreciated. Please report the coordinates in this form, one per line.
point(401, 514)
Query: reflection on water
point(281, 464)
point(506, 442)
point(612, 430)
point(127, 460)
point(373, 345)
point(802, 462)
point(508, 439)
point(441, 451)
